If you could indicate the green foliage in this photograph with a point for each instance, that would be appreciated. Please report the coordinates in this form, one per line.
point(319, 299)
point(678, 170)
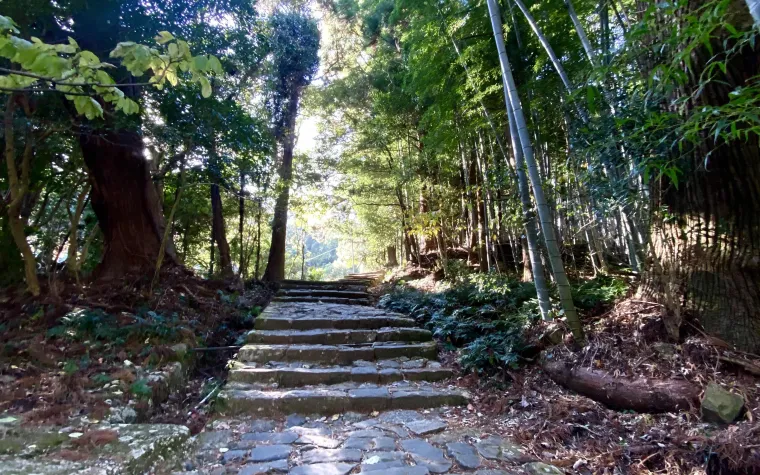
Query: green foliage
point(140, 389)
point(82, 77)
point(602, 290)
point(95, 324)
point(482, 316)
point(100, 379)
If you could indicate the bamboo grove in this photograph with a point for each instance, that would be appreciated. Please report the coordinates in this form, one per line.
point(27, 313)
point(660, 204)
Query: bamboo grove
point(554, 138)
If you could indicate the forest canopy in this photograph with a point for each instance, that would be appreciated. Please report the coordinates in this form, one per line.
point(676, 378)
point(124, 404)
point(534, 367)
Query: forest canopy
point(549, 140)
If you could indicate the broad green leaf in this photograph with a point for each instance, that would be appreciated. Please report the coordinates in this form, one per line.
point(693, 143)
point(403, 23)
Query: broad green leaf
point(6, 23)
point(200, 63)
point(164, 37)
point(87, 58)
point(214, 64)
point(205, 86)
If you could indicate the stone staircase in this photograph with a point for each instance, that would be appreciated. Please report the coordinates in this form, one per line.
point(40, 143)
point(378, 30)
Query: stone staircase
point(320, 348)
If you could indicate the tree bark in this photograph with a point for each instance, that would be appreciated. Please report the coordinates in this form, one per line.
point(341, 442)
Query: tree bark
point(72, 261)
point(706, 248)
point(392, 260)
point(220, 234)
point(125, 202)
point(640, 395)
point(18, 184)
point(241, 222)
point(275, 270)
point(258, 239)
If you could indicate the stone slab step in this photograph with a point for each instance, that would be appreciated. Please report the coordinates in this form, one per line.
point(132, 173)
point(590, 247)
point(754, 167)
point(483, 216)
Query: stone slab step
point(336, 354)
point(316, 284)
point(347, 294)
point(272, 321)
point(327, 400)
point(337, 337)
point(297, 377)
point(310, 298)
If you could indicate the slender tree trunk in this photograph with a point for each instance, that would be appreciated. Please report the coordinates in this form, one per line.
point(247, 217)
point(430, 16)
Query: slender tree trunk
point(241, 222)
point(513, 102)
point(18, 183)
point(275, 270)
point(581, 32)
point(220, 234)
point(303, 260)
point(170, 221)
point(72, 261)
point(532, 262)
point(258, 239)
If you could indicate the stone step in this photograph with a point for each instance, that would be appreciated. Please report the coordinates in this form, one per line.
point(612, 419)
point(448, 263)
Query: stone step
point(324, 292)
point(316, 284)
point(337, 337)
point(328, 300)
point(237, 399)
point(287, 377)
point(285, 321)
point(336, 354)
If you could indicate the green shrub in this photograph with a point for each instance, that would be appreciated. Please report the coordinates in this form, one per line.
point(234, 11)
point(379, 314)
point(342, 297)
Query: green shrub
point(598, 291)
point(482, 316)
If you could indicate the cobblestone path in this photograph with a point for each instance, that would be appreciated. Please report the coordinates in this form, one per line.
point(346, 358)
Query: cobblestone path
point(330, 386)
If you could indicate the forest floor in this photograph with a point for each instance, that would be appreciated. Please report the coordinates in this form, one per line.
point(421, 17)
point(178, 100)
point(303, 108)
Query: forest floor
point(627, 340)
point(118, 352)
point(91, 354)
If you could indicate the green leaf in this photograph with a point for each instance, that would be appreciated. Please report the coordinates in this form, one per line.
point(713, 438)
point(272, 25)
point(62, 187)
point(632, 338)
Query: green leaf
point(200, 63)
point(164, 37)
point(205, 86)
point(214, 64)
point(87, 58)
point(6, 23)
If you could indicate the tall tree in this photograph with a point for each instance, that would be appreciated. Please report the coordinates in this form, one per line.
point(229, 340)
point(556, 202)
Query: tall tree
point(295, 46)
point(547, 226)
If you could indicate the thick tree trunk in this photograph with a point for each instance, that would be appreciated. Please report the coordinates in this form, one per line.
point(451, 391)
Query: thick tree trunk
point(392, 260)
point(125, 202)
point(706, 249)
point(219, 233)
point(640, 395)
point(275, 270)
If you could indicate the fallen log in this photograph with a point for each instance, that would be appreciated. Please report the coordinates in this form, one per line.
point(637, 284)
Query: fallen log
point(640, 395)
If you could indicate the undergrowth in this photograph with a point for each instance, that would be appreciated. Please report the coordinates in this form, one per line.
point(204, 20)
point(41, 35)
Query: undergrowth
point(484, 316)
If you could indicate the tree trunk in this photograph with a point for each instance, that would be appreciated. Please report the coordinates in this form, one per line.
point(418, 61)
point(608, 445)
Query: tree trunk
point(706, 251)
point(241, 222)
point(72, 261)
point(125, 202)
point(392, 260)
point(581, 32)
point(219, 233)
point(18, 184)
point(513, 102)
point(640, 395)
point(275, 270)
point(258, 239)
